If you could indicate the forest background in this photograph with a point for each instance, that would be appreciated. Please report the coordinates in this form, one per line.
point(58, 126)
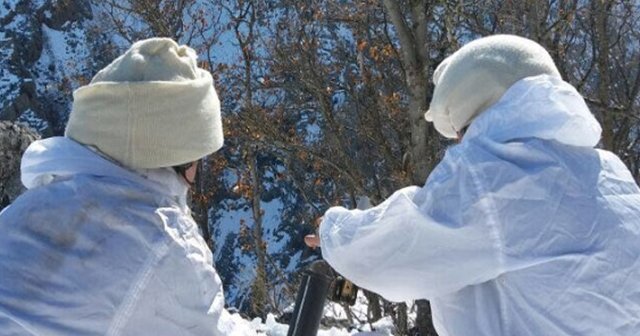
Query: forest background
point(323, 104)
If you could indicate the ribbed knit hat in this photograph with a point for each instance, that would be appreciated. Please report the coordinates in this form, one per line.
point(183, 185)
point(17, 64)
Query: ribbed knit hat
point(151, 107)
point(477, 75)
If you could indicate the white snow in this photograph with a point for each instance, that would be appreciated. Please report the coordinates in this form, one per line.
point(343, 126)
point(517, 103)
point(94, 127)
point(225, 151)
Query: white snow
point(30, 119)
point(270, 222)
point(314, 134)
point(8, 6)
point(9, 82)
point(67, 51)
point(270, 327)
point(294, 262)
point(230, 221)
point(17, 24)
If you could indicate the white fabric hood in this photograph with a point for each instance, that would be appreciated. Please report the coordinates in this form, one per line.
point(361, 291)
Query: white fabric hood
point(61, 157)
point(543, 107)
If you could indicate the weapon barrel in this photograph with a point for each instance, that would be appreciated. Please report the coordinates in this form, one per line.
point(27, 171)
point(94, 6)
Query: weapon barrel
point(312, 294)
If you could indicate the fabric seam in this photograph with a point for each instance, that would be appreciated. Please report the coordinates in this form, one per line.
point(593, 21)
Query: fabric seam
point(133, 294)
point(130, 128)
point(495, 232)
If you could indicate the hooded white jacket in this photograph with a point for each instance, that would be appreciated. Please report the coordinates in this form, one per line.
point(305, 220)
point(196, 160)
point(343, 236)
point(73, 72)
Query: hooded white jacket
point(523, 228)
point(94, 249)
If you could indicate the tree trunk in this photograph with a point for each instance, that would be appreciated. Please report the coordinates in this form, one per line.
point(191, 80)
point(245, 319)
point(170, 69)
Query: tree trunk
point(374, 312)
point(601, 12)
point(415, 61)
point(199, 207)
point(259, 295)
point(402, 319)
point(424, 324)
point(423, 142)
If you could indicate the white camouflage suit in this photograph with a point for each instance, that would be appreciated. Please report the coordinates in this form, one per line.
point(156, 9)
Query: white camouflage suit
point(524, 228)
point(95, 249)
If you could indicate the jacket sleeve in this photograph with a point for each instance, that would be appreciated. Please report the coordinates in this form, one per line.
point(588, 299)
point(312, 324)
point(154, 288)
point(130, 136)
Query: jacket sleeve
point(420, 242)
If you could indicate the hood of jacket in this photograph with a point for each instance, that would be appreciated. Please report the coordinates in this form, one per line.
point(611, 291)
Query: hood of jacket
point(59, 158)
point(543, 107)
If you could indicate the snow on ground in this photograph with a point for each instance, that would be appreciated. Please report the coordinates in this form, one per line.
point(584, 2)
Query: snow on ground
point(270, 327)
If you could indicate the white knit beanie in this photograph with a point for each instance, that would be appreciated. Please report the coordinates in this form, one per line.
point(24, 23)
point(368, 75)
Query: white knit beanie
point(152, 107)
point(476, 76)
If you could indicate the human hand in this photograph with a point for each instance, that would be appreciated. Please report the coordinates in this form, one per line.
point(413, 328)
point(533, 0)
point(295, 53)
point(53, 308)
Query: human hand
point(313, 240)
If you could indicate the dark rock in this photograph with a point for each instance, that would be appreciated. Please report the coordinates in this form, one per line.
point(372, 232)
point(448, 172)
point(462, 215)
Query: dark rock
point(14, 140)
point(56, 14)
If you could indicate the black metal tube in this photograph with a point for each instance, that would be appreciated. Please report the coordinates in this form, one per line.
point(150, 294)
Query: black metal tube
point(310, 301)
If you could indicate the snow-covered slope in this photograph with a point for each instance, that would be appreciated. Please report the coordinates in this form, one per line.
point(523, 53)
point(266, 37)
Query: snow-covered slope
point(334, 312)
point(48, 49)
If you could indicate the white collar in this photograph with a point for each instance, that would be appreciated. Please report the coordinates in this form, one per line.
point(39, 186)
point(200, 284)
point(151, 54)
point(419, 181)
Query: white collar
point(543, 107)
point(61, 157)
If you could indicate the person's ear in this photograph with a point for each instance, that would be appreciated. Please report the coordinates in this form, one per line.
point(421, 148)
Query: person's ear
point(190, 173)
point(460, 134)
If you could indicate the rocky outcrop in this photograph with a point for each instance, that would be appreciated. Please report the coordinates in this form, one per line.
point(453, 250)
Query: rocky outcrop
point(14, 140)
point(57, 14)
point(22, 42)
